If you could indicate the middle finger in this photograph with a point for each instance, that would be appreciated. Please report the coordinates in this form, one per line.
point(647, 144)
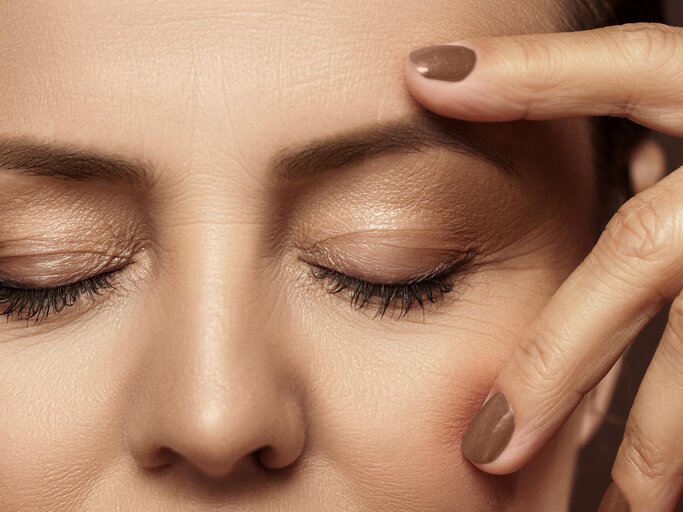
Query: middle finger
point(632, 271)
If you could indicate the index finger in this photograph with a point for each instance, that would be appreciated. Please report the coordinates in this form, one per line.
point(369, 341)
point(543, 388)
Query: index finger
point(632, 71)
point(633, 270)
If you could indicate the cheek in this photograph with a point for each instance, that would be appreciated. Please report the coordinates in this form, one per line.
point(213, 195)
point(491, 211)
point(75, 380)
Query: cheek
point(392, 399)
point(394, 411)
point(57, 427)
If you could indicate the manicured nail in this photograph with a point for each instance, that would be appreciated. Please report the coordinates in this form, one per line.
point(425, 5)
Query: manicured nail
point(448, 62)
point(614, 500)
point(490, 430)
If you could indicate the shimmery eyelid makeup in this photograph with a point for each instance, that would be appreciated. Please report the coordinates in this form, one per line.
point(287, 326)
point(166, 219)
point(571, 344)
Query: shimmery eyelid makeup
point(50, 270)
point(388, 257)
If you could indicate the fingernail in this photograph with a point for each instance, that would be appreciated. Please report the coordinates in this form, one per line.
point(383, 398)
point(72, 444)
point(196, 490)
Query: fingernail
point(490, 430)
point(448, 62)
point(614, 500)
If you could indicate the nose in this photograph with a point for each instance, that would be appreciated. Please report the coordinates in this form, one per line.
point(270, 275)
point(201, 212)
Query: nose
point(213, 397)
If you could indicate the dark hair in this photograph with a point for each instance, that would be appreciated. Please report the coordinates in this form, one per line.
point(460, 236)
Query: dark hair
point(614, 138)
point(598, 13)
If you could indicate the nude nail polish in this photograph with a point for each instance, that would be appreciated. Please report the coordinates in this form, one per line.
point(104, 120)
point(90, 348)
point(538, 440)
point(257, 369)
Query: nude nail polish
point(614, 500)
point(490, 431)
point(450, 63)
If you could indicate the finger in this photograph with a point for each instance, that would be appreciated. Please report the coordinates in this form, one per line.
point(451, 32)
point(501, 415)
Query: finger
point(648, 469)
point(633, 270)
point(648, 164)
point(633, 71)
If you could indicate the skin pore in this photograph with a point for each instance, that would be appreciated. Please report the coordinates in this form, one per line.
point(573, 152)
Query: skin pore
point(217, 373)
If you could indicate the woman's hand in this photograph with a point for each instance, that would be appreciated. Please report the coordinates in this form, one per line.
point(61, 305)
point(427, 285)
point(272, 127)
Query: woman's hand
point(633, 71)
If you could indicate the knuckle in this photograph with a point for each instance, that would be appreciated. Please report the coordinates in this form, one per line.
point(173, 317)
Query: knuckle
point(640, 229)
point(641, 454)
point(537, 66)
point(652, 50)
point(650, 43)
point(535, 361)
point(540, 363)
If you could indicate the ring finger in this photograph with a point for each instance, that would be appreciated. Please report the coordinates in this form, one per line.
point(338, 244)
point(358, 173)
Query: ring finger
point(648, 471)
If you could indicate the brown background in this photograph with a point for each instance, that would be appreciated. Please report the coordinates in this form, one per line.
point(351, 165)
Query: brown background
point(595, 462)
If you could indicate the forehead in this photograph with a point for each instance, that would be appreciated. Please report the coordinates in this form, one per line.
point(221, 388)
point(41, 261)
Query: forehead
point(171, 76)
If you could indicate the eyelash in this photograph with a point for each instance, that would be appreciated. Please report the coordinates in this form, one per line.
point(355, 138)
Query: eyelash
point(39, 302)
point(421, 291)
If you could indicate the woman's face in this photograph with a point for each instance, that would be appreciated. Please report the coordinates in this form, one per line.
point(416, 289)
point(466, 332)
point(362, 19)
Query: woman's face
point(233, 152)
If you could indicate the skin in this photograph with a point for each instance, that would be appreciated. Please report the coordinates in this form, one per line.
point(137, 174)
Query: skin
point(631, 273)
point(219, 374)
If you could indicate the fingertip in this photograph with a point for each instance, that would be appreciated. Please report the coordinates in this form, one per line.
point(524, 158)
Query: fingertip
point(448, 63)
point(490, 430)
point(486, 442)
point(495, 441)
point(448, 80)
point(422, 68)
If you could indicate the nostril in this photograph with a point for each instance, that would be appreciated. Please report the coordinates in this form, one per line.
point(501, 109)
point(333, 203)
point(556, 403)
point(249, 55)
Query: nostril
point(270, 458)
point(158, 460)
point(266, 458)
point(238, 427)
point(166, 457)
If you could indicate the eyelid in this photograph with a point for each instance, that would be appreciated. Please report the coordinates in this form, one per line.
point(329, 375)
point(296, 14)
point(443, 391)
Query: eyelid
point(441, 270)
point(386, 257)
point(423, 288)
point(46, 264)
point(50, 274)
point(23, 303)
point(120, 282)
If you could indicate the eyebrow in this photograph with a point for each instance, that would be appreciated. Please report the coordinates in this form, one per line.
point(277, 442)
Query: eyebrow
point(411, 133)
point(66, 161)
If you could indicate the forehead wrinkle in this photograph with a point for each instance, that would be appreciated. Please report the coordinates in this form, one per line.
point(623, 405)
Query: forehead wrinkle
point(151, 55)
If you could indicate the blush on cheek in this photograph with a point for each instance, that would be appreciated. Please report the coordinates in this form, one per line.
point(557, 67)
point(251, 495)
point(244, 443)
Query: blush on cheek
point(454, 406)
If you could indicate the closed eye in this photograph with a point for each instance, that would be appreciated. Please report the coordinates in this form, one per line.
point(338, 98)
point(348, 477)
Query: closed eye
point(422, 291)
point(23, 303)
